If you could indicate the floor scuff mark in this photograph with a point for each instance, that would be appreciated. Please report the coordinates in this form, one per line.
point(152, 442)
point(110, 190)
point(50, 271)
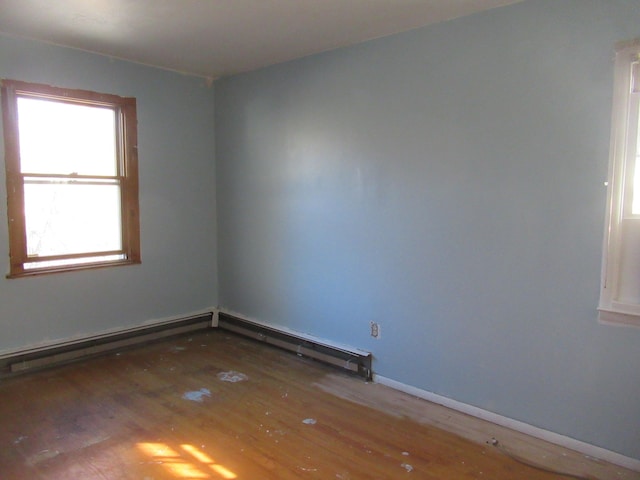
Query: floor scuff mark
point(41, 457)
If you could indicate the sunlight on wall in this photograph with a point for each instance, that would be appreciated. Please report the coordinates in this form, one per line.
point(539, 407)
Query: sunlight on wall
point(197, 465)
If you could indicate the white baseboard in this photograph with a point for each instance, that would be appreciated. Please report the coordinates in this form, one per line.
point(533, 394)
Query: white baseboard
point(551, 437)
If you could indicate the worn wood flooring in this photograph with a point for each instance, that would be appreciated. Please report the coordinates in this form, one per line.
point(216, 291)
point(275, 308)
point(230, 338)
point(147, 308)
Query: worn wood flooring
point(213, 405)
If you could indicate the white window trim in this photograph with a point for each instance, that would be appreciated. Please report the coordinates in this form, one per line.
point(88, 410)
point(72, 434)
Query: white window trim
point(624, 128)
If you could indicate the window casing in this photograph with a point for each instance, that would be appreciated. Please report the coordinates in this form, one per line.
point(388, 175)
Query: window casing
point(72, 178)
point(620, 282)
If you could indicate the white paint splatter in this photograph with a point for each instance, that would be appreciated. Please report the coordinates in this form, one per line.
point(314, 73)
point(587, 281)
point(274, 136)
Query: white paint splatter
point(176, 349)
point(407, 467)
point(406, 454)
point(232, 376)
point(309, 421)
point(20, 439)
point(197, 395)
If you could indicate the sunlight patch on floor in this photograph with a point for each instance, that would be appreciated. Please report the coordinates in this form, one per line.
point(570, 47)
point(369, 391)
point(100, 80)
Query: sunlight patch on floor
point(194, 465)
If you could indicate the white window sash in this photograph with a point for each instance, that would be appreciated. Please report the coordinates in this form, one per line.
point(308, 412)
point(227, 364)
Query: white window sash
point(619, 217)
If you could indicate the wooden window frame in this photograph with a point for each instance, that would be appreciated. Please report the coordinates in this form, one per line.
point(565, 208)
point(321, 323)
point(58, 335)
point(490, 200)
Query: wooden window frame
point(126, 177)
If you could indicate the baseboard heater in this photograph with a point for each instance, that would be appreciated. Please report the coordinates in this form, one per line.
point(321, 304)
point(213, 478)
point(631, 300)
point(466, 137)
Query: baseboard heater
point(65, 352)
point(355, 360)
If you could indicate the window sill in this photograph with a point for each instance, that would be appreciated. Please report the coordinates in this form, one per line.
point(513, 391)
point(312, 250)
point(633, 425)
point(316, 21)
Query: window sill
point(613, 316)
point(71, 268)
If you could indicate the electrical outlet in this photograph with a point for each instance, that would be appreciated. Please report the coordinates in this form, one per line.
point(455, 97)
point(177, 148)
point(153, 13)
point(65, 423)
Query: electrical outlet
point(375, 329)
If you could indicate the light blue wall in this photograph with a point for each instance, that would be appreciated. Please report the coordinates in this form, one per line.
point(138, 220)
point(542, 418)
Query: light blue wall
point(448, 184)
point(177, 205)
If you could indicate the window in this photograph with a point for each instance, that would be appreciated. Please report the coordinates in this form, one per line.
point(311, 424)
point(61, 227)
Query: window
point(72, 178)
point(620, 285)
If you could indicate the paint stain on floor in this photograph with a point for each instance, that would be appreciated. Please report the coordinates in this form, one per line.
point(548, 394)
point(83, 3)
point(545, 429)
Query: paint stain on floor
point(232, 376)
point(197, 395)
point(407, 467)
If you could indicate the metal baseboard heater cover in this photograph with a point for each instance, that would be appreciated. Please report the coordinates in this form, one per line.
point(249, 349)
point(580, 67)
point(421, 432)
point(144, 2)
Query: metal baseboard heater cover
point(356, 361)
point(74, 350)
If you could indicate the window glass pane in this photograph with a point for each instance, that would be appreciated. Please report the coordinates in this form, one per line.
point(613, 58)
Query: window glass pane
point(64, 218)
point(63, 138)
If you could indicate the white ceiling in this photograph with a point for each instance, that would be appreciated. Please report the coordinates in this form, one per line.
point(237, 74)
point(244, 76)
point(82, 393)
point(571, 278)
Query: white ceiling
point(213, 38)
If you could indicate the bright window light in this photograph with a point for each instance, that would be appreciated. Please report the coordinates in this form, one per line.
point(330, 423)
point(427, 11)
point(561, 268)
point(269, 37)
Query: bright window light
point(635, 208)
point(66, 138)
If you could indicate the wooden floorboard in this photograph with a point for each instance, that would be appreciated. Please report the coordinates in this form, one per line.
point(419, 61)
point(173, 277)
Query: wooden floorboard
point(165, 411)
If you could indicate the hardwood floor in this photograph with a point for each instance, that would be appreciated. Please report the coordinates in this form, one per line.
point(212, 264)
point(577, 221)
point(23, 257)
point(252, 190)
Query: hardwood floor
point(213, 405)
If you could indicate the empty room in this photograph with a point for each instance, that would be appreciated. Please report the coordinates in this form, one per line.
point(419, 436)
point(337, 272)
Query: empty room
point(329, 239)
